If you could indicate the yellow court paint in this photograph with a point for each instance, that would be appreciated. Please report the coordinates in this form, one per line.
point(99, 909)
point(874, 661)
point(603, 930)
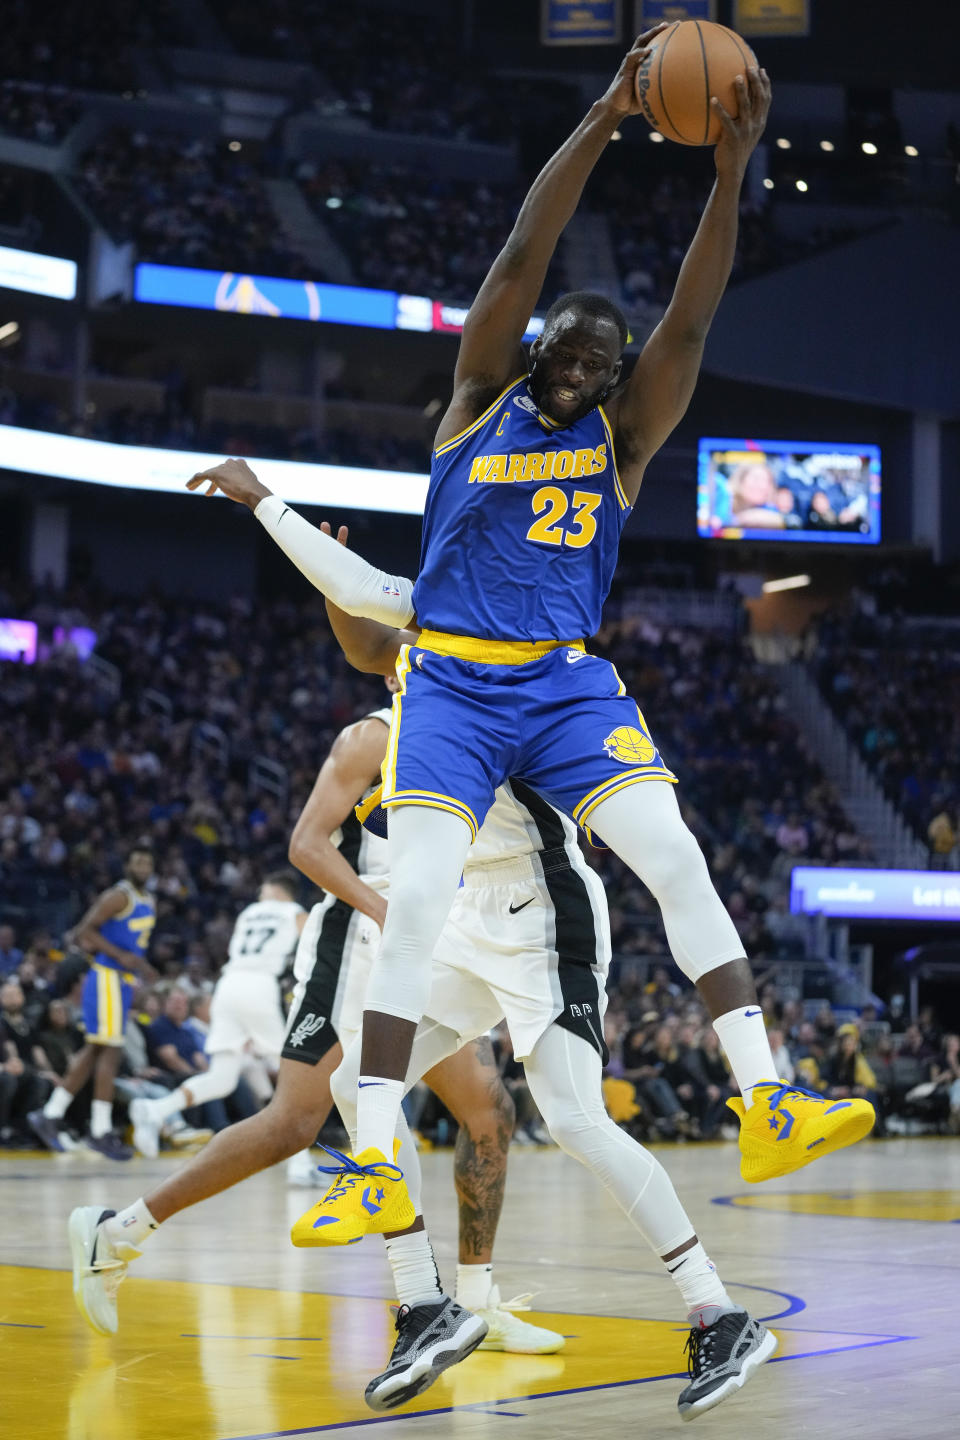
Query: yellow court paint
point(218, 1362)
point(862, 1205)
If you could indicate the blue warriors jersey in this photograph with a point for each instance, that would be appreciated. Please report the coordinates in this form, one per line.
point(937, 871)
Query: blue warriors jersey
point(522, 525)
point(130, 930)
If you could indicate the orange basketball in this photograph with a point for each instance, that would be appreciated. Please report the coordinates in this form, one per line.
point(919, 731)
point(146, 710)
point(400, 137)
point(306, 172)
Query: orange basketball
point(690, 62)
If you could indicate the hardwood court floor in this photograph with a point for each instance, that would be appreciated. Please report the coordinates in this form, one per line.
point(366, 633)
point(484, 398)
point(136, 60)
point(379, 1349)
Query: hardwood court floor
point(228, 1333)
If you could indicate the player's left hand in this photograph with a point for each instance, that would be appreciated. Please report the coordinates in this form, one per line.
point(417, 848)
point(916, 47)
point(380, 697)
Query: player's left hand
point(740, 133)
point(621, 96)
point(235, 479)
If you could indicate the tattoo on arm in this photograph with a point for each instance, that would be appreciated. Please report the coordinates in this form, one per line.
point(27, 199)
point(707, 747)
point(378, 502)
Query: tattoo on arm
point(480, 1163)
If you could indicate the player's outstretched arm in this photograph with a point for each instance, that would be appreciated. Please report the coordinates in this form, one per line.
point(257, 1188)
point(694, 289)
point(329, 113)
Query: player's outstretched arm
point(358, 588)
point(490, 355)
point(351, 768)
point(368, 645)
point(658, 392)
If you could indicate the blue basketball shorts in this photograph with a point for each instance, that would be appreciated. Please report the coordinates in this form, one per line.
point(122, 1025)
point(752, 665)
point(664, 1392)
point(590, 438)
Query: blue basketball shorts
point(107, 997)
point(561, 720)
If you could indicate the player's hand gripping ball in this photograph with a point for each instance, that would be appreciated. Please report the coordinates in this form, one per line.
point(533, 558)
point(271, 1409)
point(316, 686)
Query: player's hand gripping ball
point(688, 63)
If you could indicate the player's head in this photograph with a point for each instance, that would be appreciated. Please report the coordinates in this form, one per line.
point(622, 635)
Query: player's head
point(575, 361)
point(281, 885)
point(139, 864)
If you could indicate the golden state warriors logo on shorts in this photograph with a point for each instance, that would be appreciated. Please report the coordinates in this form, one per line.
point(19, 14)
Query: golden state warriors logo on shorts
point(629, 746)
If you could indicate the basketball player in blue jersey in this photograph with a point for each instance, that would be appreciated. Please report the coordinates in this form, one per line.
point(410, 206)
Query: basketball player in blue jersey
point(534, 472)
point(116, 931)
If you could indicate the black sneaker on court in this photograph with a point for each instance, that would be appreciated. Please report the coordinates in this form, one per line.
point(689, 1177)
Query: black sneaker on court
point(722, 1357)
point(430, 1338)
point(111, 1145)
point(46, 1130)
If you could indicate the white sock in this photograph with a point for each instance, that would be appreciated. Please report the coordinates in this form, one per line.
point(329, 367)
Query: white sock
point(415, 1276)
point(58, 1104)
point(101, 1118)
point(378, 1105)
point(171, 1104)
point(131, 1226)
point(474, 1283)
point(743, 1036)
point(695, 1276)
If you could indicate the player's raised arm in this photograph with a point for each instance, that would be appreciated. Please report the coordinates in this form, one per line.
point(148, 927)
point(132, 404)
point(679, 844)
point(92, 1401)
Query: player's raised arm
point(490, 355)
point(659, 390)
point(358, 588)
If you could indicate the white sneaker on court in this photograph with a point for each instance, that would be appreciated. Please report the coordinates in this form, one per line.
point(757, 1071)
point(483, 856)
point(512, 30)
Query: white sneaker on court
point(98, 1267)
point(506, 1331)
point(302, 1170)
point(146, 1128)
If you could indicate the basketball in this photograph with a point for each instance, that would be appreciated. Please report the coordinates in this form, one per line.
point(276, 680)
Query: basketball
point(690, 62)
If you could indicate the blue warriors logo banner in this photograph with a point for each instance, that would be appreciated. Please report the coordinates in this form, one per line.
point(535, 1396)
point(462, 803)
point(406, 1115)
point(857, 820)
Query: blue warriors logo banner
point(579, 22)
point(650, 12)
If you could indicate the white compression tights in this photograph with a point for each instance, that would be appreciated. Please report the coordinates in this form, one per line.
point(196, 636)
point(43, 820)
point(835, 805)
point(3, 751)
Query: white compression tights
point(217, 1082)
point(564, 1076)
point(643, 825)
point(427, 851)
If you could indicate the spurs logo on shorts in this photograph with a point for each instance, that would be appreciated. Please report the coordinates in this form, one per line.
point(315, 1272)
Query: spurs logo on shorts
point(629, 746)
point(308, 1026)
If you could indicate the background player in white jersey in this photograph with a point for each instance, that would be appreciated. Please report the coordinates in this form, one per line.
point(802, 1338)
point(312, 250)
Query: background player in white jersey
point(528, 938)
point(246, 1011)
point(332, 966)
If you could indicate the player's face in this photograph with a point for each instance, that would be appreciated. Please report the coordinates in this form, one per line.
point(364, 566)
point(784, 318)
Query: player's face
point(575, 365)
point(140, 867)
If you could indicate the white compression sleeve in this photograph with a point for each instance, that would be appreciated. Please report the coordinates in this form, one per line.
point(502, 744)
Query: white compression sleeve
point(337, 572)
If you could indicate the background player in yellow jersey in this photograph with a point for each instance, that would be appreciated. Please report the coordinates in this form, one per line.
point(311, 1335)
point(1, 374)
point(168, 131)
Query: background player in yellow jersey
point(116, 931)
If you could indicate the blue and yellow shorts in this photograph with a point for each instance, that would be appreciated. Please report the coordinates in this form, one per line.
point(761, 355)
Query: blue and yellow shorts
point(471, 712)
point(107, 996)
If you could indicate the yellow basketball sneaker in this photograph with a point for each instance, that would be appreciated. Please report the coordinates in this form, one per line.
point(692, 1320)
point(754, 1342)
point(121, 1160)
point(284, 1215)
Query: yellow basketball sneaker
point(787, 1127)
point(368, 1197)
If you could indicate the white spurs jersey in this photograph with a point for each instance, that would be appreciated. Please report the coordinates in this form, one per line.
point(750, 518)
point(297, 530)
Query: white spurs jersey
point(519, 822)
point(264, 937)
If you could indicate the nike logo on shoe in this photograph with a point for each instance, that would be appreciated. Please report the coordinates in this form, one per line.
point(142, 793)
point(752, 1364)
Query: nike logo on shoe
point(515, 909)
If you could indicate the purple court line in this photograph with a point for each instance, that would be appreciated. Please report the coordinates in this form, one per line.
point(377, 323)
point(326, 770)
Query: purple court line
point(731, 1200)
point(16, 1325)
point(285, 1339)
point(552, 1394)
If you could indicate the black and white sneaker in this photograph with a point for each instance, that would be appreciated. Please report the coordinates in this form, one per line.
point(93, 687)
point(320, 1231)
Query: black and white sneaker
point(430, 1338)
point(722, 1357)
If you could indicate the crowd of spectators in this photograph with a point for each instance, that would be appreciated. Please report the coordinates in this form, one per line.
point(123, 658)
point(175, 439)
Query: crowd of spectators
point(87, 46)
point(185, 201)
point(395, 70)
point(667, 1077)
point(37, 112)
point(165, 755)
point(417, 233)
point(895, 685)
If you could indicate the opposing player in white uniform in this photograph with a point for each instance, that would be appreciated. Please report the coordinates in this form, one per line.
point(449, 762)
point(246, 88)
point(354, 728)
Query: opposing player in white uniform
point(527, 939)
point(246, 1011)
point(337, 941)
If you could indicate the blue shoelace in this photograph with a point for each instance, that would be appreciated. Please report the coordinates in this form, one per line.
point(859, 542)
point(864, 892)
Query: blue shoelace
point(351, 1172)
point(782, 1090)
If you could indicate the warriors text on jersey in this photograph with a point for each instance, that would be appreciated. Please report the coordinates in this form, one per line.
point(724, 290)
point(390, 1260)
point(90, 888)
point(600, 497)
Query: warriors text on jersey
point(521, 526)
point(131, 929)
point(264, 937)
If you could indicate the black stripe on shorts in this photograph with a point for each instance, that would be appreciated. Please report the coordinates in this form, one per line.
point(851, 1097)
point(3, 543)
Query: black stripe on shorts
point(577, 941)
